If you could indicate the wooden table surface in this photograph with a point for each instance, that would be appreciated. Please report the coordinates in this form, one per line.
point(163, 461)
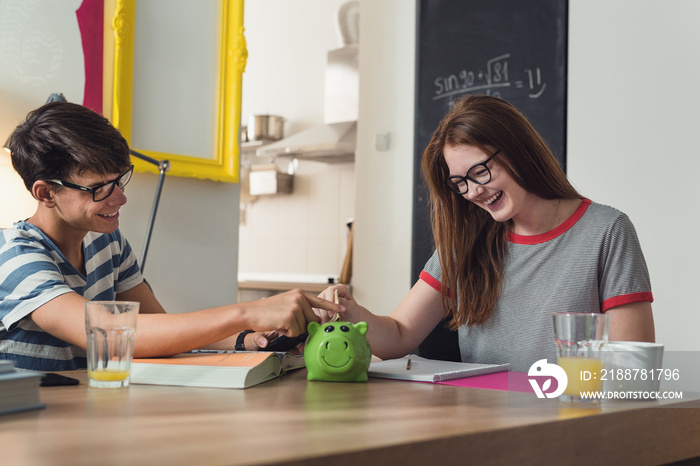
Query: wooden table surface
point(291, 421)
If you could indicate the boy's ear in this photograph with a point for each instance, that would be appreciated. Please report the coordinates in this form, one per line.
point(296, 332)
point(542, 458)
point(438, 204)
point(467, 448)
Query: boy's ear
point(43, 192)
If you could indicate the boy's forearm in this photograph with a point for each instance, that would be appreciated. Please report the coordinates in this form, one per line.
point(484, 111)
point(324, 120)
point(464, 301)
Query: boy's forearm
point(169, 334)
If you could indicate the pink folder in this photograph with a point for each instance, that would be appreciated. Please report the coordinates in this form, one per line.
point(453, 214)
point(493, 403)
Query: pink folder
point(507, 381)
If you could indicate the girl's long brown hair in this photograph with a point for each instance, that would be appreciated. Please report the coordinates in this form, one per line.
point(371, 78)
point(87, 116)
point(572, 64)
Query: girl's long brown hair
point(471, 245)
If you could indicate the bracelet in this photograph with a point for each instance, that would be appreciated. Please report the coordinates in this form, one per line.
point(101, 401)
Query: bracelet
point(240, 346)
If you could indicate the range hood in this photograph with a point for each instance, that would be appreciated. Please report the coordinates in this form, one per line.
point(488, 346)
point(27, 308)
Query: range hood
point(332, 143)
point(336, 139)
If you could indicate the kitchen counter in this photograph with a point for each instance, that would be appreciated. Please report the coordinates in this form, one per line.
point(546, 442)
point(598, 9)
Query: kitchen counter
point(272, 284)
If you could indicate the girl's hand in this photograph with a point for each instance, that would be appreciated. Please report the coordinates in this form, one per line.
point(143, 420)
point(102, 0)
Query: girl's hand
point(349, 308)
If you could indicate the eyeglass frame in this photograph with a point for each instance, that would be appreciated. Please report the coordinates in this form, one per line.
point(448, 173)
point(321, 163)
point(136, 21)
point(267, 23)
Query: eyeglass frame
point(448, 182)
point(93, 190)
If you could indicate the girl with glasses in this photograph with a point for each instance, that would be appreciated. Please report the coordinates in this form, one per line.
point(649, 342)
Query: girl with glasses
point(515, 242)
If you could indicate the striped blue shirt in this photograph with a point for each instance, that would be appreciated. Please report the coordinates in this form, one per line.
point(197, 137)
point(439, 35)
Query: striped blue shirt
point(33, 271)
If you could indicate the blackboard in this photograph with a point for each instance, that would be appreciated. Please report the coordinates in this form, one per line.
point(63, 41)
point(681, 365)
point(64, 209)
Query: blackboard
point(513, 49)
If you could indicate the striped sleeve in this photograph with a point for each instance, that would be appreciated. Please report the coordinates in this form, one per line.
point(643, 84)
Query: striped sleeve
point(111, 266)
point(129, 271)
point(624, 277)
point(29, 278)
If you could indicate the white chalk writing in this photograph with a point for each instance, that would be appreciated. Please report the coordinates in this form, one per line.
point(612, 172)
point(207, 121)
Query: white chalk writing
point(496, 76)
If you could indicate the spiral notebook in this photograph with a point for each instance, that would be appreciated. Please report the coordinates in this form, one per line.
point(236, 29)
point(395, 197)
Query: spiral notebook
point(430, 370)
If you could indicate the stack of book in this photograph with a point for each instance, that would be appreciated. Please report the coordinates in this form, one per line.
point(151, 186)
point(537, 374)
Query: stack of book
point(19, 390)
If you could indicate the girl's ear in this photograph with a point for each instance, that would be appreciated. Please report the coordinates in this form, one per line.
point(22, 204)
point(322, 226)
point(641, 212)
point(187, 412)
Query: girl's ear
point(44, 193)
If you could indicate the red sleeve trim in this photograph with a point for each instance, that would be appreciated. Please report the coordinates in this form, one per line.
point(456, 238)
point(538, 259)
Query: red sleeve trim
point(631, 298)
point(430, 280)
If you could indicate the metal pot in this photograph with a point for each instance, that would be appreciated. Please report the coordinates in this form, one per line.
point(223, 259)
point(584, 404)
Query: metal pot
point(265, 127)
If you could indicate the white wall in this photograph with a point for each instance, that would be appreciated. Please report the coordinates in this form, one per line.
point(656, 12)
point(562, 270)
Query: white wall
point(303, 233)
point(193, 255)
point(632, 138)
point(382, 275)
point(37, 58)
point(22, 204)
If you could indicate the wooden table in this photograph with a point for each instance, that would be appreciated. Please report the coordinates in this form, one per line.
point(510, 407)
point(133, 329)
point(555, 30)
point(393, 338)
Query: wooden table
point(385, 422)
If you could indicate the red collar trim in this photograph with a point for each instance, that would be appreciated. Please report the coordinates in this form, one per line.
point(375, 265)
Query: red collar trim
point(550, 235)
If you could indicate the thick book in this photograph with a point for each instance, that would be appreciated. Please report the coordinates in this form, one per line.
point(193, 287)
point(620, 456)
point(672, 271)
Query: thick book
point(214, 370)
point(19, 391)
point(430, 370)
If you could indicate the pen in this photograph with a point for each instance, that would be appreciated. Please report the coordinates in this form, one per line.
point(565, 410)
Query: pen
point(408, 364)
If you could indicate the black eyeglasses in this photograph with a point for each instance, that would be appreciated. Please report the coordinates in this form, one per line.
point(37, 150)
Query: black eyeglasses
point(479, 174)
point(101, 191)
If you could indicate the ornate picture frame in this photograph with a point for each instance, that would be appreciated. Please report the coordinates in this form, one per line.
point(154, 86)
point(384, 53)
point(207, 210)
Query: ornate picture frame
point(221, 161)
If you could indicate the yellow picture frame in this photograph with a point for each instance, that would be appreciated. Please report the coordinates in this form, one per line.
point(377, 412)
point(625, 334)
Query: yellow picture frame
point(233, 56)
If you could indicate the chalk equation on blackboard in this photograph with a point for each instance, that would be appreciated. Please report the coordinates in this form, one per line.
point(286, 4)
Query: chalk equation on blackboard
point(496, 76)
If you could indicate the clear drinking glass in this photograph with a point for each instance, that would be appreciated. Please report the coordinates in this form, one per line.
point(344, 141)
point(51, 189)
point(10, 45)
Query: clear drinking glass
point(580, 339)
point(110, 327)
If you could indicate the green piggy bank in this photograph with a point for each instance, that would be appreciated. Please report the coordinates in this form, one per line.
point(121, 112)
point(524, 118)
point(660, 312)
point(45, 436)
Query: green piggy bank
point(337, 352)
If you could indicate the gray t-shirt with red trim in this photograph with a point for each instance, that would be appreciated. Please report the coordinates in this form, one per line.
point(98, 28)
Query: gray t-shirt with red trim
point(590, 263)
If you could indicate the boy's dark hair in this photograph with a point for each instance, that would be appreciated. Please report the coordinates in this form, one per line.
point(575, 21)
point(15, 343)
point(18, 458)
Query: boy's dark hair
point(62, 139)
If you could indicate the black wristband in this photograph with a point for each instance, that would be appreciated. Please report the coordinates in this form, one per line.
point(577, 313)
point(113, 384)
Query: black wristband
point(240, 341)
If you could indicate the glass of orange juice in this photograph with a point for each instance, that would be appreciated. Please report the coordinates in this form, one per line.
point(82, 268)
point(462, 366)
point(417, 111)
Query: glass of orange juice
point(110, 328)
point(580, 337)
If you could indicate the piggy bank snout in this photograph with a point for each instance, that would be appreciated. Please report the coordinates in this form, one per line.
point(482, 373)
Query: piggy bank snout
point(337, 354)
point(336, 345)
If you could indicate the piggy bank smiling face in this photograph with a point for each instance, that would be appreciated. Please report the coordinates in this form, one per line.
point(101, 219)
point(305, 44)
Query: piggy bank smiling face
point(337, 352)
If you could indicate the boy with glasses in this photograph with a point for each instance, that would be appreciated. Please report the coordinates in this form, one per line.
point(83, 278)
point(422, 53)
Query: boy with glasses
point(76, 165)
